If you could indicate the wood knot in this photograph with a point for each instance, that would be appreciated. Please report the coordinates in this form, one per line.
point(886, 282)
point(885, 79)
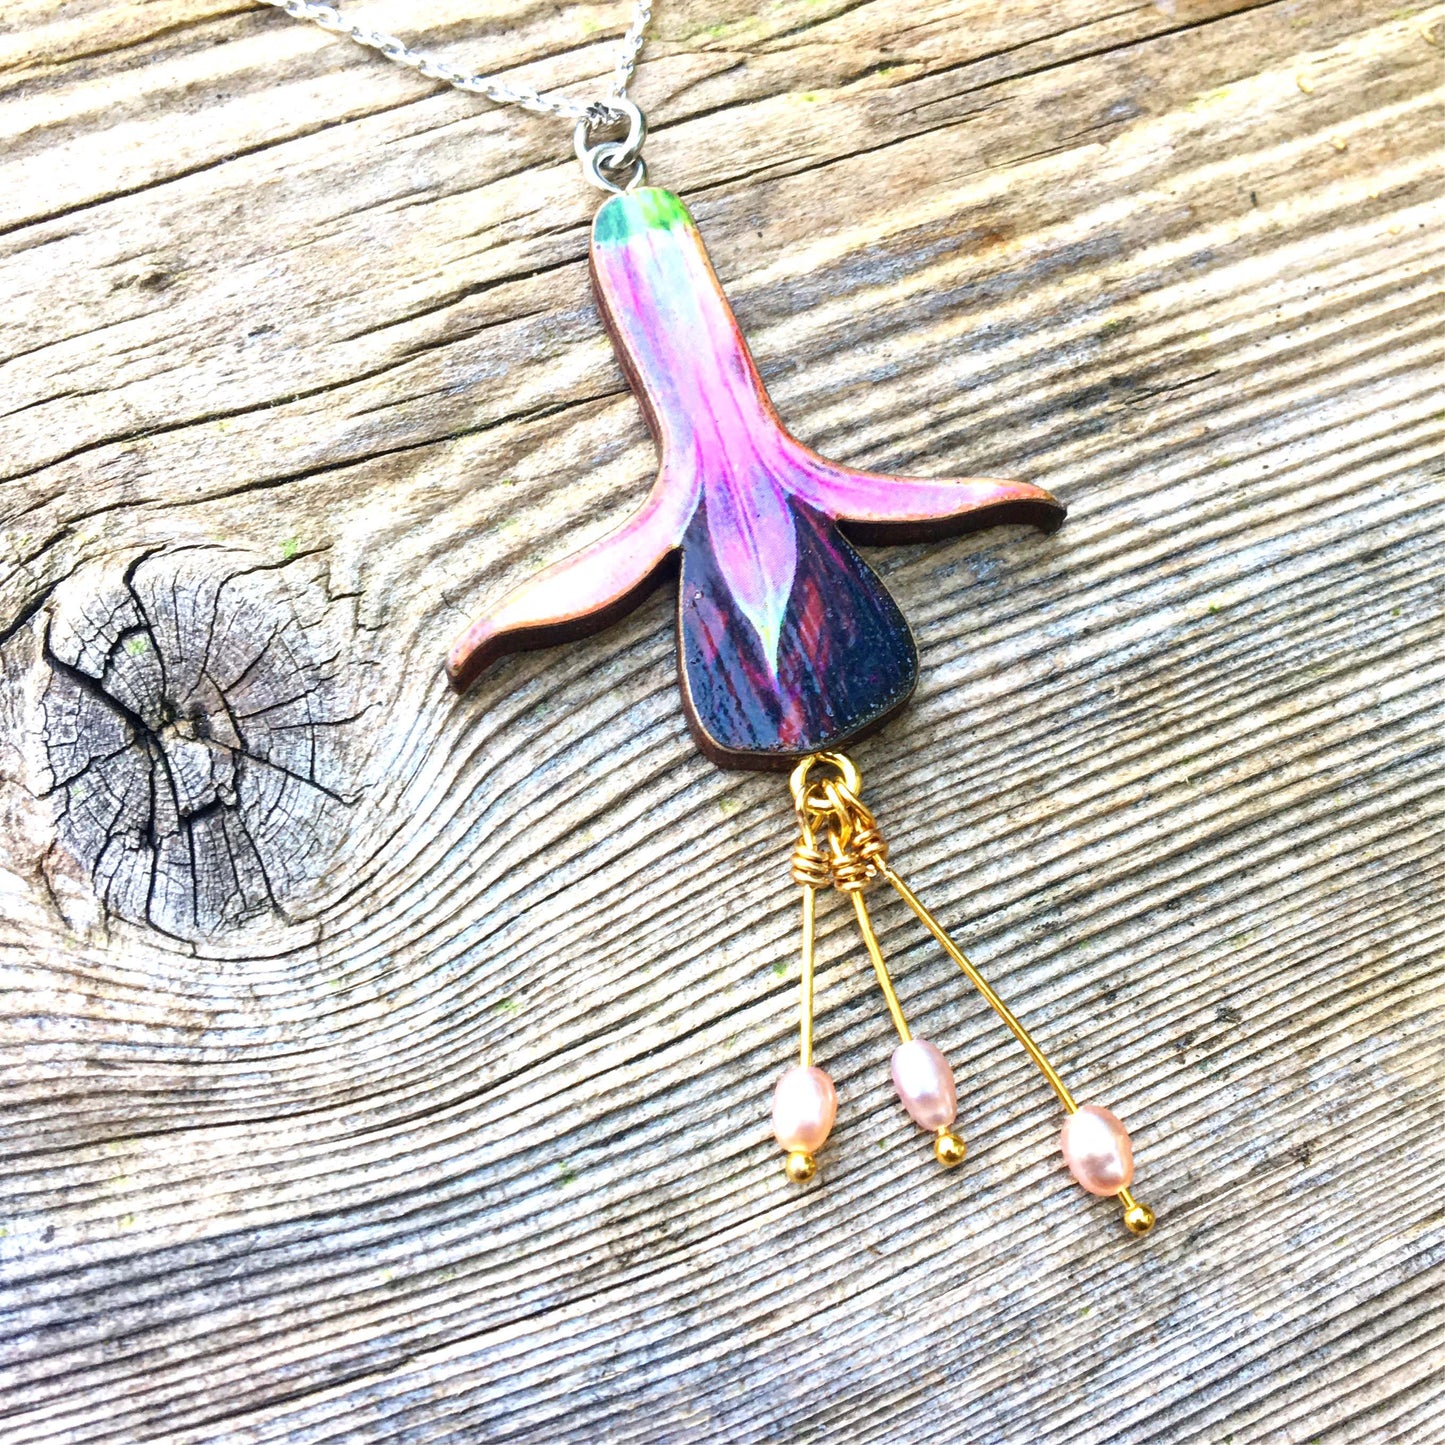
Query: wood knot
point(192, 725)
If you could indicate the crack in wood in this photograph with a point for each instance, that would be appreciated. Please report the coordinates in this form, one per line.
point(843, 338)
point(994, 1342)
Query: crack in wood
point(193, 740)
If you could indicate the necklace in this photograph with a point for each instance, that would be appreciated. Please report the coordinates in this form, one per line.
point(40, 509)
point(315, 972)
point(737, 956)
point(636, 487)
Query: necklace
point(789, 647)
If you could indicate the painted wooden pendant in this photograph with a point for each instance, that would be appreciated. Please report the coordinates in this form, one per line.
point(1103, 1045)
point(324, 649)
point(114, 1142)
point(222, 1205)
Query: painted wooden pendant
point(788, 643)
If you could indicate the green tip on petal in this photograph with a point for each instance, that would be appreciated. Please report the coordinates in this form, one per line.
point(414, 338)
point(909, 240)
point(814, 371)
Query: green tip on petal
point(649, 208)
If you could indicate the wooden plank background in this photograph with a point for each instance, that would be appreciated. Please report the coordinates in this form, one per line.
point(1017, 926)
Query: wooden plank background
point(422, 1095)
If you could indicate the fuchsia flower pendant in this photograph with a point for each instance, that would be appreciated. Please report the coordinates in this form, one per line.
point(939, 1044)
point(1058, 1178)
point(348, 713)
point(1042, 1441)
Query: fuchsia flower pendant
point(789, 647)
point(788, 644)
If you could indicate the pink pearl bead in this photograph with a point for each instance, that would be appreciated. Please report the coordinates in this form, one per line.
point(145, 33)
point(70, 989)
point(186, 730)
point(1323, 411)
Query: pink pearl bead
point(804, 1107)
point(1098, 1150)
point(925, 1084)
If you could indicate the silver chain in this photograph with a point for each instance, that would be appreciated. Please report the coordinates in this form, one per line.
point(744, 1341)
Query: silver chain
point(610, 109)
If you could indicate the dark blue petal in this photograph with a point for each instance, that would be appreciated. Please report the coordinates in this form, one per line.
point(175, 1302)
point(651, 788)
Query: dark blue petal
point(846, 659)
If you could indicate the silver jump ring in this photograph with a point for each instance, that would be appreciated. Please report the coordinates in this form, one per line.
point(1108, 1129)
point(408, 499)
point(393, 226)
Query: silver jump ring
point(612, 165)
point(600, 167)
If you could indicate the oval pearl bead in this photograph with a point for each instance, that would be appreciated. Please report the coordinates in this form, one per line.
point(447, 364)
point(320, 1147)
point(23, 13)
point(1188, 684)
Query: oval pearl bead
point(1098, 1150)
point(925, 1084)
point(804, 1107)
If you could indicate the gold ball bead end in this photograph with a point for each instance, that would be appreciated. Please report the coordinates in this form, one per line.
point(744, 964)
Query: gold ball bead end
point(948, 1148)
point(801, 1166)
point(1138, 1219)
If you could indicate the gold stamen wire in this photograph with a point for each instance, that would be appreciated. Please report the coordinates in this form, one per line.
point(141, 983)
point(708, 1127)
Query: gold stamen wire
point(856, 853)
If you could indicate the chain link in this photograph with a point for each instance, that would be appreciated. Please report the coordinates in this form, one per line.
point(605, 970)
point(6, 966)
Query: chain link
point(596, 113)
point(632, 41)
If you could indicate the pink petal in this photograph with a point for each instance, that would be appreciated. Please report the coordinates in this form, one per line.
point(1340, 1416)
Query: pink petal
point(585, 592)
point(879, 507)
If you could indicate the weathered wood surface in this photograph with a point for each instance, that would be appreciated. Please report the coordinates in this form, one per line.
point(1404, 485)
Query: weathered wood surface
point(423, 1094)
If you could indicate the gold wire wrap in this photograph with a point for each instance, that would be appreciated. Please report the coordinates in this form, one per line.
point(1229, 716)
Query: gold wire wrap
point(851, 873)
point(811, 867)
point(830, 809)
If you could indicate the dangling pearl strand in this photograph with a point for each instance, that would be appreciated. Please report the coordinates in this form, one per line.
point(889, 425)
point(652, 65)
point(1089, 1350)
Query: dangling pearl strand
point(921, 1074)
point(805, 1103)
point(1095, 1144)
